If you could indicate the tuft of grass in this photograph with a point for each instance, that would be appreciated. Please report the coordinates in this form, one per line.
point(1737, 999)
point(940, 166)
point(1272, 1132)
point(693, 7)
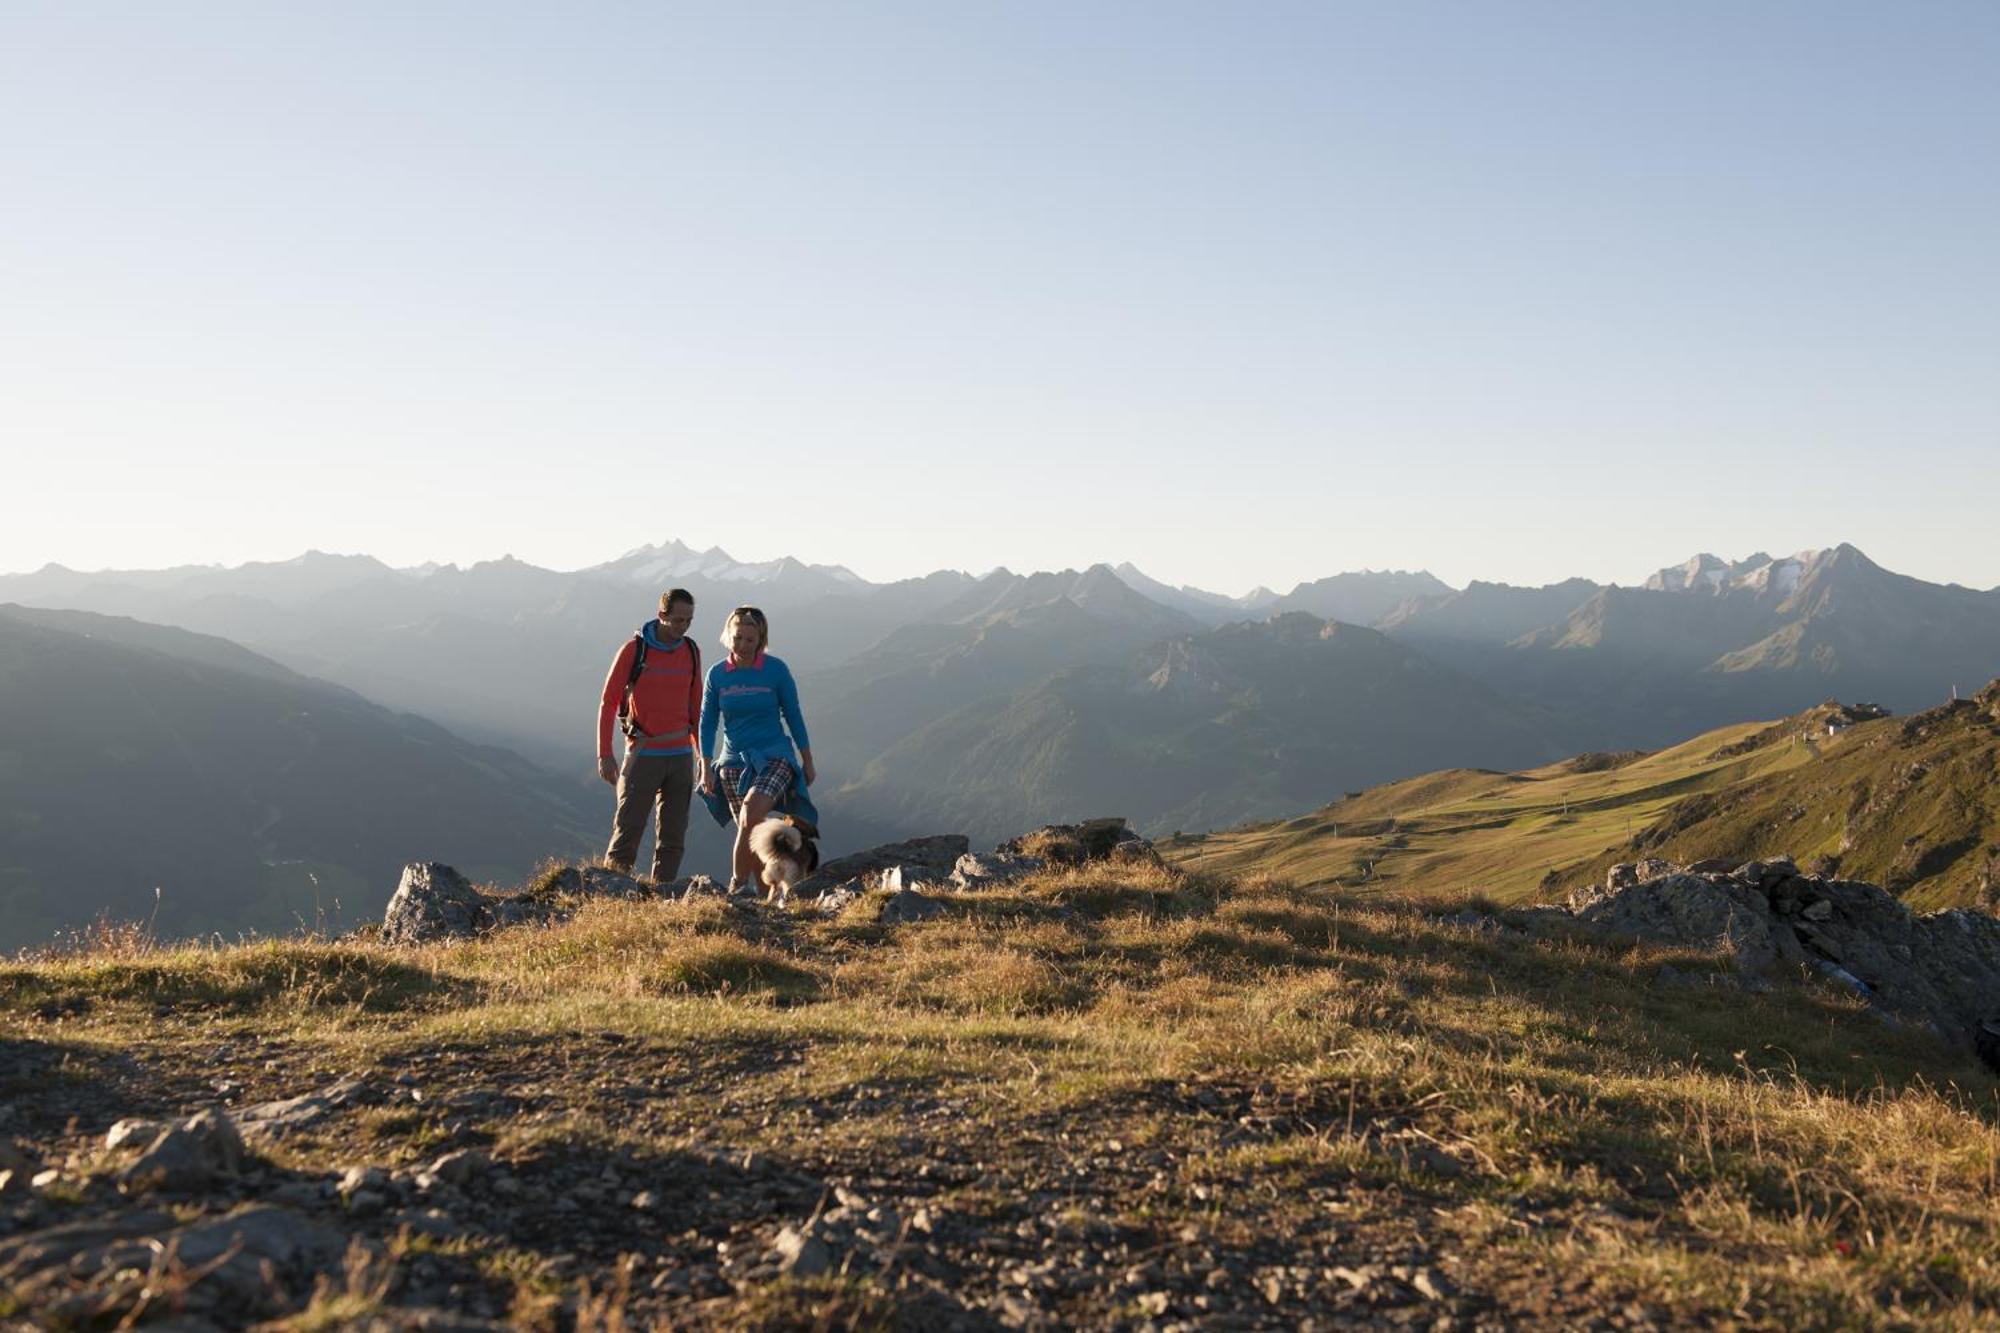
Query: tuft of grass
point(733, 968)
point(267, 974)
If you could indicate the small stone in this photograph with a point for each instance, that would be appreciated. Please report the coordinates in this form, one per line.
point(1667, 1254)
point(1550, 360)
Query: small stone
point(365, 1203)
point(645, 1201)
point(43, 1179)
point(187, 1156)
point(801, 1255)
point(1429, 1285)
point(362, 1178)
point(1358, 1279)
point(1154, 1302)
point(297, 1194)
point(459, 1167)
point(131, 1133)
point(909, 905)
point(1818, 910)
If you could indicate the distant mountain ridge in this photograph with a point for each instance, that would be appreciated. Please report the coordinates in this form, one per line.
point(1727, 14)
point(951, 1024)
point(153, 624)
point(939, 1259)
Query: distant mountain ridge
point(507, 653)
point(136, 757)
point(1202, 729)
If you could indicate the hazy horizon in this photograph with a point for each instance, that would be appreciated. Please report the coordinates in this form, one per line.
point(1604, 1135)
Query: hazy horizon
point(1240, 296)
point(1458, 583)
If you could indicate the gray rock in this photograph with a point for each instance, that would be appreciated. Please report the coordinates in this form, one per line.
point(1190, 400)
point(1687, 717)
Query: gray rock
point(932, 857)
point(187, 1156)
point(594, 882)
point(690, 886)
point(801, 1254)
point(295, 1112)
point(835, 901)
point(1694, 910)
point(1940, 972)
point(434, 902)
point(991, 870)
point(131, 1133)
point(909, 905)
point(461, 1167)
point(362, 1178)
point(248, 1261)
point(1075, 844)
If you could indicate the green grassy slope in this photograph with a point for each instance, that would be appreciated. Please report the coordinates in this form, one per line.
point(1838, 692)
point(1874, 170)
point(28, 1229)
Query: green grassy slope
point(1912, 804)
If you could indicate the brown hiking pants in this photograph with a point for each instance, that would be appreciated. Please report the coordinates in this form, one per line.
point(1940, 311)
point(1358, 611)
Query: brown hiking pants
point(646, 781)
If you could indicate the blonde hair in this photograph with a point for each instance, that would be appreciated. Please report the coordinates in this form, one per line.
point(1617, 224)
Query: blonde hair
point(753, 616)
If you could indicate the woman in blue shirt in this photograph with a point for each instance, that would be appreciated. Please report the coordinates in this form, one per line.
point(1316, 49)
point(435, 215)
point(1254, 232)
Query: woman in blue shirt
point(751, 701)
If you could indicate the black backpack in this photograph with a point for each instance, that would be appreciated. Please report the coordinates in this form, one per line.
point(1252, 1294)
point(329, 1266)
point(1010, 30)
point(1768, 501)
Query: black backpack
point(625, 723)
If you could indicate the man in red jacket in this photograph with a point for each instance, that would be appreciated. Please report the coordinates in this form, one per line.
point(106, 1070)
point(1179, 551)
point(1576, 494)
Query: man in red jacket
point(655, 686)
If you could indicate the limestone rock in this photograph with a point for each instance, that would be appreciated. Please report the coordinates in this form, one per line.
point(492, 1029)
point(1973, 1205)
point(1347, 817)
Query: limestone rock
point(909, 905)
point(1695, 910)
point(434, 902)
point(187, 1156)
point(293, 1112)
point(1940, 971)
point(931, 858)
point(1075, 844)
point(594, 882)
point(981, 872)
point(247, 1261)
point(801, 1254)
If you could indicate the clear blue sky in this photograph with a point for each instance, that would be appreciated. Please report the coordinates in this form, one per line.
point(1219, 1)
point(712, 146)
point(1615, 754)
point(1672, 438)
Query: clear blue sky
point(1242, 293)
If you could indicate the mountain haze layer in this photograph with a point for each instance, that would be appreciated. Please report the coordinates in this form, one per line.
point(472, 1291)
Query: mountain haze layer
point(136, 758)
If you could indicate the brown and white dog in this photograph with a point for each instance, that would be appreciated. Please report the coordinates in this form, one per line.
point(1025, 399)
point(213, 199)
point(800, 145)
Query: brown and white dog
point(789, 849)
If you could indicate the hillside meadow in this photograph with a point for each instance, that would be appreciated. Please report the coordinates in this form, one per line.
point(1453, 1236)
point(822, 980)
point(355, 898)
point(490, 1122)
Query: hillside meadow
point(1132, 1097)
point(1909, 803)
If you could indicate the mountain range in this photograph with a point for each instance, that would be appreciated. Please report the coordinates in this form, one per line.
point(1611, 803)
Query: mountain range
point(978, 703)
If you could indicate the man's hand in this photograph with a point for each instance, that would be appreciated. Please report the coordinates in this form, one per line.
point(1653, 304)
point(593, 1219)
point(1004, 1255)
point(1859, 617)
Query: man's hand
point(607, 768)
point(707, 780)
point(806, 764)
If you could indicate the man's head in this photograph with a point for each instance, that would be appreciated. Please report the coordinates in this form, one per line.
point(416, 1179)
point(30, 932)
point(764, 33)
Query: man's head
point(676, 611)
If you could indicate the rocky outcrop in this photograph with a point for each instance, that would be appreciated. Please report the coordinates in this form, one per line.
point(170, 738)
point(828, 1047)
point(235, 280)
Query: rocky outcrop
point(435, 902)
point(991, 870)
point(1941, 970)
point(1075, 844)
point(919, 860)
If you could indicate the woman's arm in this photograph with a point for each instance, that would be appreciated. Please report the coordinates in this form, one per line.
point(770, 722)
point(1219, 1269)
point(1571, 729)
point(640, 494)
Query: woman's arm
point(795, 721)
point(711, 716)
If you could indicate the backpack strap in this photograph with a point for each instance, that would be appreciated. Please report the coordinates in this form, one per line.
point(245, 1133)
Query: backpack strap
point(632, 678)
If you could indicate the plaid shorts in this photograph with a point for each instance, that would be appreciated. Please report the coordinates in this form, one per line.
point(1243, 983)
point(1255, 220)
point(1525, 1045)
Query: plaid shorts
point(774, 781)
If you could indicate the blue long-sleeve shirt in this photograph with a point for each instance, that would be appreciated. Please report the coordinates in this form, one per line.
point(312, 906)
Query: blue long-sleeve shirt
point(751, 707)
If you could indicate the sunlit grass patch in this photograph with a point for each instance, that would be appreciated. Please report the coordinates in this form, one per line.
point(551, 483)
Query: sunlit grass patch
point(711, 966)
point(267, 974)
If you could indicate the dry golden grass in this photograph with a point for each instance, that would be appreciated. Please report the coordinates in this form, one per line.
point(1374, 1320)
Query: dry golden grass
point(1770, 1159)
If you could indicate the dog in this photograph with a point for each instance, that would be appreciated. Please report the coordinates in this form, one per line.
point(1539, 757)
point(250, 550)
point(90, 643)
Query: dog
point(789, 849)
